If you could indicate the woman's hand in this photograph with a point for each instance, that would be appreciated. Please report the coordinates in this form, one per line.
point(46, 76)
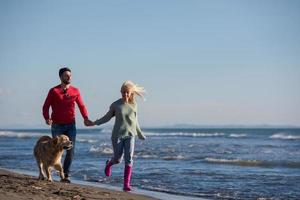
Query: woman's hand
point(142, 137)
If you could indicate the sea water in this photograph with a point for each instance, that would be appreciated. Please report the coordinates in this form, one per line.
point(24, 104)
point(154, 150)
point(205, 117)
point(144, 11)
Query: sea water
point(198, 163)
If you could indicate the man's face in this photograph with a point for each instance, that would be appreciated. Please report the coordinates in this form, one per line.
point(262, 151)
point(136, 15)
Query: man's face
point(66, 77)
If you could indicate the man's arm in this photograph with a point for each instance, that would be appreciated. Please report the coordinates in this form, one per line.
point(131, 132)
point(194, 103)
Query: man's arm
point(83, 110)
point(46, 107)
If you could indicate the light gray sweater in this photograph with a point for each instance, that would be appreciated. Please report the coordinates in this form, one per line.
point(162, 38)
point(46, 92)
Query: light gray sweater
point(126, 123)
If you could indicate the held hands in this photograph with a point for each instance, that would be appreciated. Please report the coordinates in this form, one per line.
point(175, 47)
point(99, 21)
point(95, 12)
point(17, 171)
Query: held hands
point(88, 122)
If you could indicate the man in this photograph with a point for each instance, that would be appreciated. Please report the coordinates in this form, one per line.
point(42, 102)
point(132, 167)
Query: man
point(62, 99)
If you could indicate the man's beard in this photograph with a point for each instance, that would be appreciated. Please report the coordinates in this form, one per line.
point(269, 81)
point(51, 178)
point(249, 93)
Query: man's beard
point(66, 82)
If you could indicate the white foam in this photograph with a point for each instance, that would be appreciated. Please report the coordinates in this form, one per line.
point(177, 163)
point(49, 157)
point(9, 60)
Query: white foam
point(185, 134)
point(13, 134)
point(103, 150)
point(86, 140)
point(237, 161)
point(221, 160)
point(147, 156)
point(285, 136)
point(178, 157)
point(234, 135)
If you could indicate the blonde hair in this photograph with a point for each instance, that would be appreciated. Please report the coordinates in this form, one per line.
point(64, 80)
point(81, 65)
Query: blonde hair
point(135, 89)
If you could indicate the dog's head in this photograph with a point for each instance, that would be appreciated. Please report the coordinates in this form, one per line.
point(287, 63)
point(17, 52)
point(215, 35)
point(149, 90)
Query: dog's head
point(63, 142)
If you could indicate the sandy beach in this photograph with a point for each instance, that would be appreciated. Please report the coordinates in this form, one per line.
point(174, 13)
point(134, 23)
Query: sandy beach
point(15, 186)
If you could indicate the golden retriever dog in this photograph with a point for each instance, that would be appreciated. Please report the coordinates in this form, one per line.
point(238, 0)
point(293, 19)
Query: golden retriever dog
point(48, 152)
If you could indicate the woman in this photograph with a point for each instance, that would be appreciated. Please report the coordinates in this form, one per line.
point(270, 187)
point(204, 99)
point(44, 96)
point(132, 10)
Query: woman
point(126, 128)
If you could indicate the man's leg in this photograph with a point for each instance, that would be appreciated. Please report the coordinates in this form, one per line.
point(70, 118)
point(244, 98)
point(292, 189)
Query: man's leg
point(71, 133)
point(57, 130)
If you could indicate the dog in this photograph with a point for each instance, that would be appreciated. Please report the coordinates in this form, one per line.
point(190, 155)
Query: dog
point(48, 152)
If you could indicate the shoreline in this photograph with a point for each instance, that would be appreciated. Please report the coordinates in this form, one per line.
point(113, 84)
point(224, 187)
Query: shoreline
point(21, 184)
point(14, 185)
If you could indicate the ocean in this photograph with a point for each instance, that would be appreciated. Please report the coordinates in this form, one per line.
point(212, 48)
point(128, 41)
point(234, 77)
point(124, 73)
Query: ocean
point(197, 163)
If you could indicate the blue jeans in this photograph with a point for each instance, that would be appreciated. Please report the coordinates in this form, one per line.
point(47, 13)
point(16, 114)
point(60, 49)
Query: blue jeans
point(123, 146)
point(70, 131)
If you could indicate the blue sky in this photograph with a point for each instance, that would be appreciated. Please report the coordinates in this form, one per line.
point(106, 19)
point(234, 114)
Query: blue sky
point(201, 62)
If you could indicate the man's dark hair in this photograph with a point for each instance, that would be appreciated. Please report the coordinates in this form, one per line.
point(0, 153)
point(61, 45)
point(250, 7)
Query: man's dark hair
point(62, 70)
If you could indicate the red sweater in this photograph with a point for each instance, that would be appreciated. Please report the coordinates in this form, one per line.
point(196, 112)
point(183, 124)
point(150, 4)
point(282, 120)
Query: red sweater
point(63, 105)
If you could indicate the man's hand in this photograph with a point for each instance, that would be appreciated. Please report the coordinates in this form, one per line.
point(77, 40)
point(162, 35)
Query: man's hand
point(88, 122)
point(49, 122)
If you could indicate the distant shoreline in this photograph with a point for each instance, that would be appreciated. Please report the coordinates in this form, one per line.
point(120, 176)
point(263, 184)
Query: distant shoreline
point(163, 128)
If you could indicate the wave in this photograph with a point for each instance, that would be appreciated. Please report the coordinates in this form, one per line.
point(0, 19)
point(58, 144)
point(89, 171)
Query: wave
point(178, 157)
point(234, 135)
point(101, 150)
point(195, 134)
point(184, 134)
point(233, 161)
point(285, 136)
point(106, 130)
point(179, 195)
point(32, 135)
point(86, 140)
point(12, 134)
point(147, 156)
point(253, 163)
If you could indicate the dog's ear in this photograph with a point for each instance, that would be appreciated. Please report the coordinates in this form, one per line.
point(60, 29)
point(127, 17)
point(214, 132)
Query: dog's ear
point(55, 141)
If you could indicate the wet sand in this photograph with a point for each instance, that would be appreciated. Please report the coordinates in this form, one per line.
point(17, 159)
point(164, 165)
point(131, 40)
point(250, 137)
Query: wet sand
point(15, 186)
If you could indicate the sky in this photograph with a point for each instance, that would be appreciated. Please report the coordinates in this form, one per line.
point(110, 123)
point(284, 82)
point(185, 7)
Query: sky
point(212, 62)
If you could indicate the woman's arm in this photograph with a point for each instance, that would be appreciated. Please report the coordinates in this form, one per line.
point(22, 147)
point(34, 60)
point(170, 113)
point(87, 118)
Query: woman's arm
point(106, 117)
point(139, 131)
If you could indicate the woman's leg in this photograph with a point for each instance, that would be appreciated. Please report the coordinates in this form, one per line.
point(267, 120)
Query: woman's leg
point(128, 154)
point(118, 146)
point(129, 150)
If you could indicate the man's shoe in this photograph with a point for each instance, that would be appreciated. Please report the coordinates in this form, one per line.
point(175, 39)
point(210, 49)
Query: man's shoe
point(65, 180)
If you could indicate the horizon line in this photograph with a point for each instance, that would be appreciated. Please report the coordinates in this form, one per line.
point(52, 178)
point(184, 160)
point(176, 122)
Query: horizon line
point(178, 126)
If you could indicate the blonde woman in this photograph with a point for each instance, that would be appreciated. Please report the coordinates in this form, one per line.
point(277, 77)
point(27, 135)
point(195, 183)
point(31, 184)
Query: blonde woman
point(126, 128)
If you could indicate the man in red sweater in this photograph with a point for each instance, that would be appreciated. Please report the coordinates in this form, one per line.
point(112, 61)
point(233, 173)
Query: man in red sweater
point(62, 99)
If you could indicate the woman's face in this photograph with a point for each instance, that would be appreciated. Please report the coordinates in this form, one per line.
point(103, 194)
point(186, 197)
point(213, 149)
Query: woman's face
point(126, 94)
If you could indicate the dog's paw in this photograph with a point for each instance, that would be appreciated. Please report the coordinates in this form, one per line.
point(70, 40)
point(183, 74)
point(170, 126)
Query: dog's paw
point(41, 178)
